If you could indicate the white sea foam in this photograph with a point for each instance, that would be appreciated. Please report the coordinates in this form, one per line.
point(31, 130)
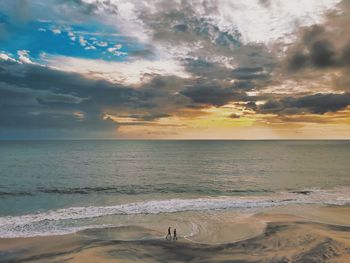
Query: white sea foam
point(15, 226)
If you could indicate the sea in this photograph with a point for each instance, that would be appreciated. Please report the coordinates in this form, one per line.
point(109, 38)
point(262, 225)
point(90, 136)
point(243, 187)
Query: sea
point(62, 187)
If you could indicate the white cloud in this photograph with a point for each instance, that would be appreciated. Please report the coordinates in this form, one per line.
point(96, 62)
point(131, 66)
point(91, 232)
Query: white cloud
point(118, 46)
point(72, 36)
point(56, 31)
point(127, 18)
point(275, 20)
point(130, 73)
point(99, 43)
point(267, 22)
point(115, 50)
point(23, 56)
point(82, 41)
point(90, 47)
point(4, 56)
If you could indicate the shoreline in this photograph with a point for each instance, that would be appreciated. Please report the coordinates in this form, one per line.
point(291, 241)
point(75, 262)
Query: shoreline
point(271, 246)
point(286, 238)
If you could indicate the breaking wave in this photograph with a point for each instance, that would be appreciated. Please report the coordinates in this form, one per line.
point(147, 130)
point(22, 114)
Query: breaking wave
point(15, 226)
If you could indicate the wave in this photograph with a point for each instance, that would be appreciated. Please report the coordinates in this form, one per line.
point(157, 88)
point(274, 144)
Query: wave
point(9, 224)
point(131, 190)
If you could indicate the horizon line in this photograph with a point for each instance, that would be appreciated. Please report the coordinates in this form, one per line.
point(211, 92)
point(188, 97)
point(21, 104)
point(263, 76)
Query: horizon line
point(108, 139)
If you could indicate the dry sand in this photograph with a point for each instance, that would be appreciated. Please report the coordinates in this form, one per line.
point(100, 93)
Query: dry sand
point(287, 238)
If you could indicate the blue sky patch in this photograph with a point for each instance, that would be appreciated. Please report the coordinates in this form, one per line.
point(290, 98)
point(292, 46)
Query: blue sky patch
point(89, 41)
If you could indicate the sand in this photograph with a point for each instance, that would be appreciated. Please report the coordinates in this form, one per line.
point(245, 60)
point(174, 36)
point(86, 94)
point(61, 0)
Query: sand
point(286, 238)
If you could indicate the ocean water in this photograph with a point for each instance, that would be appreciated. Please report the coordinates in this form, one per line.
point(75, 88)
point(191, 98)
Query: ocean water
point(58, 187)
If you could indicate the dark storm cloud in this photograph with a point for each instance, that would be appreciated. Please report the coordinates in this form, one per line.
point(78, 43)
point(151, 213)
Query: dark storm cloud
point(244, 73)
point(320, 54)
point(316, 104)
point(322, 48)
point(22, 119)
point(207, 70)
point(40, 78)
point(244, 85)
point(320, 57)
point(38, 97)
point(217, 85)
point(245, 78)
point(345, 53)
point(298, 60)
point(214, 95)
point(12, 95)
point(33, 96)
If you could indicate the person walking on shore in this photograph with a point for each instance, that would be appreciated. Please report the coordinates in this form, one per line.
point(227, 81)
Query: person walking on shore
point(175, 236)
point(169, 234)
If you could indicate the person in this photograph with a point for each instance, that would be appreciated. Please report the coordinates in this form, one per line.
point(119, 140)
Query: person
point(169, 233)
point(175, 237)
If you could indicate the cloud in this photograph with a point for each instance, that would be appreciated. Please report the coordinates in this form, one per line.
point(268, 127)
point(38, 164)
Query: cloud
point(211, 29)
point(316, 104)
point(249, 73)
point(23, 56)
point(128, 72)
point(83, 42)
point(72, 36)
point(6, 57)
point(253, 20)
point(212, 94)
point(319, 54)
point(90, 47)
point(322, 54)
point(162, 60)
point(115, 50)
point(34, 97)
point(319, 61)
point(56, 31)
point(100, 43)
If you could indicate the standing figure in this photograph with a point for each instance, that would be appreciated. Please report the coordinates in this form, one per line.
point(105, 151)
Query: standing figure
point(169, 234)
point(175, 236)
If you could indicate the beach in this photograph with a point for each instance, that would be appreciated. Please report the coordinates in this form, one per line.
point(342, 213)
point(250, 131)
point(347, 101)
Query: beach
point(284, 238)
point(229, 201)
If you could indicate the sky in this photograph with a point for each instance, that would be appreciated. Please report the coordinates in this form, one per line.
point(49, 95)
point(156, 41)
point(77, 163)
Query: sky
point(174, 69)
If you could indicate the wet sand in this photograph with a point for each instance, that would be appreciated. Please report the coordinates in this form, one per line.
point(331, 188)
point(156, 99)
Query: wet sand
point(285, 238)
